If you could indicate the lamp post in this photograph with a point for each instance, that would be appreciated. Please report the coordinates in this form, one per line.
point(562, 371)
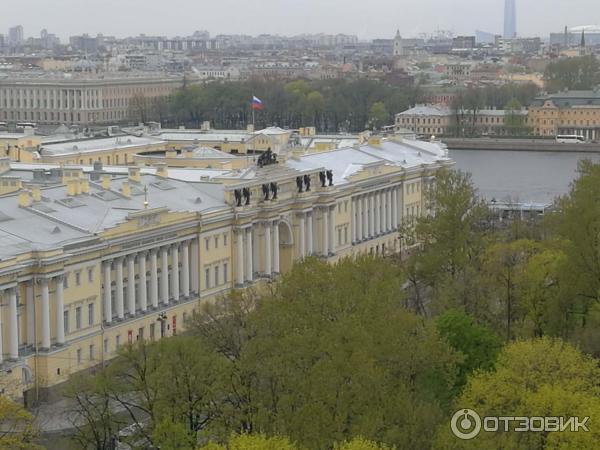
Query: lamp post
point(162, 318)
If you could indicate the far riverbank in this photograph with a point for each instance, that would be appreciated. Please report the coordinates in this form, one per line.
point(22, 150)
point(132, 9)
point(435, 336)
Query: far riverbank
point(531, 145)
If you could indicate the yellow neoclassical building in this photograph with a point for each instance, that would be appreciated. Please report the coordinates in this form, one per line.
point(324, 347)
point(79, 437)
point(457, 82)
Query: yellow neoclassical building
point(567, 112)
point(92, 259)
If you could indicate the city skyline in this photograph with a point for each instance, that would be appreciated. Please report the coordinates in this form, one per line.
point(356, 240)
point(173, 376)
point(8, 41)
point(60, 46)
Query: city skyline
point(290, 18)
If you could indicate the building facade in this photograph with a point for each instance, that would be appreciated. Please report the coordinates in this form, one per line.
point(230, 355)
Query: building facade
point(439, 120)
point(82, 99)
point(92, 260)
point(569, 112)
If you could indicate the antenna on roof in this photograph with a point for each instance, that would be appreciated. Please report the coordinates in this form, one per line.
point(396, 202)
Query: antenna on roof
point(145, 196)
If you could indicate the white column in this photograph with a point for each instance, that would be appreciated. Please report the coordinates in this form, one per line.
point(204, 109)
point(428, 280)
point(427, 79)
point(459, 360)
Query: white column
point(331, 239)
point(268, 251)
point(249, 250)
point(131, 285)
point(309, 234)
point(353, 218)
point(398, 204)
point(106, 267)
point(255, 253)
point(365, 217)
point(13, 328)
point(371, 216)
point(301, 235)
point(153, 278)
point(164, 275)
point(194, 263)
point(325, 232)
point(60, 311)
point(240, 257)
point(142, 279)
point(276, 246)
point(359, 221)
point(185, 269)
point(388, 210)
point(30, 314)
point(377, 214)
point(175, 271)
point(45, 314)
point(119, 288)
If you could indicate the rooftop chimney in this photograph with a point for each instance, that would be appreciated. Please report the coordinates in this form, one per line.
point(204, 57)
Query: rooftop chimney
point(36, 193)
point(105, 181)
point(73, 187)
point(84, 186)
point(135, 175)
point(375, 141)
point(161, 170)
point(125, 189)
point(24, 198)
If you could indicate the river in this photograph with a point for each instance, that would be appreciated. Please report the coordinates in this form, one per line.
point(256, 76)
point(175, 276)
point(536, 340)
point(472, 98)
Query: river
point(521, 176)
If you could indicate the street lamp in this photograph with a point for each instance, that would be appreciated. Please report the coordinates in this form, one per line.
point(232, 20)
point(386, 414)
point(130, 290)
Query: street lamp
point(162, 318)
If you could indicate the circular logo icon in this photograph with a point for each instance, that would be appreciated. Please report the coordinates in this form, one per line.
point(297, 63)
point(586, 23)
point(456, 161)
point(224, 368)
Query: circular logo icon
point(465, 424)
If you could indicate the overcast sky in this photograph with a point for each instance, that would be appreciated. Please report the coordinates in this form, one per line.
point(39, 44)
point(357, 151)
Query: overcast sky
point(365, 18)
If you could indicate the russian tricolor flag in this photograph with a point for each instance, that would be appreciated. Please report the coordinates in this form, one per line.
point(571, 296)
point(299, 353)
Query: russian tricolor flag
point(257, 103)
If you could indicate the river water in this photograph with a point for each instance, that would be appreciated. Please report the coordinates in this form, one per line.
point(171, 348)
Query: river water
point(521, 176)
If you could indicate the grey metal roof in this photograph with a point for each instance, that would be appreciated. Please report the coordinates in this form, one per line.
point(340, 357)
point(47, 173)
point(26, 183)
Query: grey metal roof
point(95, 145)
point(348, 161)
point(567, 99)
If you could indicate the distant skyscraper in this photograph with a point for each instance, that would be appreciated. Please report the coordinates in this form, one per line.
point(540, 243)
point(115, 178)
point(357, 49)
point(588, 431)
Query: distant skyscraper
point(510, 19)
point(15, 35)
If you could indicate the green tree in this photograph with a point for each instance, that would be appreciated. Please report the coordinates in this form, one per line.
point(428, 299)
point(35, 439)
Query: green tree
point(17, 427)
point(514, 119)
point(580, 73)
point(452, 237)
point(504, 264)
point(328, 334)
point(170, 435)
point(361, 444)
point(253, 442)
point(577, 225)
point(541, 377)
point(479, 345)
point(378, 115)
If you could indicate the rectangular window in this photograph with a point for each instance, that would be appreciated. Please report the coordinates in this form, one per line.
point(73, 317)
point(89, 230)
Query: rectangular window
point(117, 340)
point(216, 275)
point(140, 336)
point(78, 318)
point(66, 281)
point(91, 351)
point(207, 278)
point(225, 240)
point(105, 345)
point(225, 274)
point(78, 278)
point(152, 331)
point(216, 241)
point(66, 321)
point(78, 356)
point(91, 273)
point(91, 314)
point(206, 244)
